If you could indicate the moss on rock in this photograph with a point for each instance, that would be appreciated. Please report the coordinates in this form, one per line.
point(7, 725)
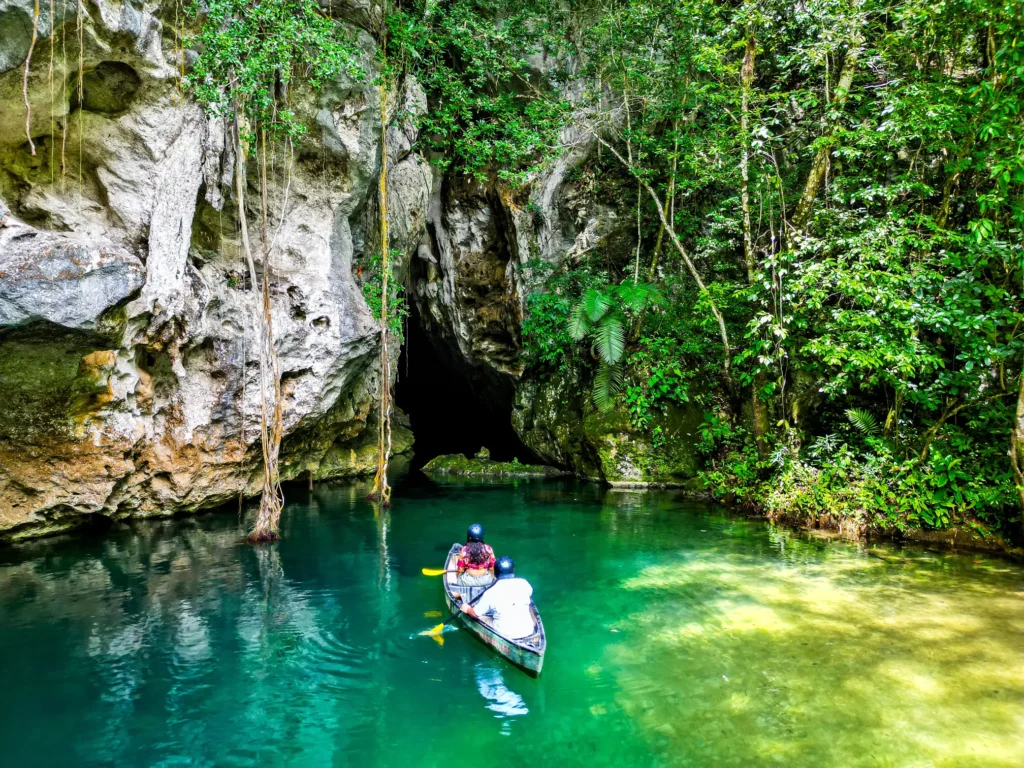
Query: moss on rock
point(663, 455)
point(556, 420)
point(457, 464)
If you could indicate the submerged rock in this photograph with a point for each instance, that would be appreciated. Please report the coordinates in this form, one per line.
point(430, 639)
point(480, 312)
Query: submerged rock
point(457, 464)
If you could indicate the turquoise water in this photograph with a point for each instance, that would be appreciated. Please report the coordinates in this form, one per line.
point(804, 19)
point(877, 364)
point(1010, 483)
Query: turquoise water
point(678, 635)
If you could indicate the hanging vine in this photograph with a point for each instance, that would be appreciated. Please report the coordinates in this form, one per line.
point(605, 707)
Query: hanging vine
point(49, 80)
point(81, 89)
point(24, 82)
point(381, 491)
point(248, 52)
point(63, 96)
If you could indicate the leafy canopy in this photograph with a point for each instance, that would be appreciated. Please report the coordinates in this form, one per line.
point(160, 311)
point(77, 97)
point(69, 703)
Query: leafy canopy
point(250, 52)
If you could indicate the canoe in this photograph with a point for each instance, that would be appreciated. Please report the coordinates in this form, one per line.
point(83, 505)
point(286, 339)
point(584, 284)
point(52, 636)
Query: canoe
point(526, 653)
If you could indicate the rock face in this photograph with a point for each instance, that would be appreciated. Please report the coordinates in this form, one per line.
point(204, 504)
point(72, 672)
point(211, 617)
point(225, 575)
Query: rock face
point(470, 278)
point(559, 425)
point(126, 318)
point(64, 280)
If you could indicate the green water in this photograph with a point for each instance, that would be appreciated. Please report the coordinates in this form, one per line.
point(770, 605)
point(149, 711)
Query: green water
point(678, 635)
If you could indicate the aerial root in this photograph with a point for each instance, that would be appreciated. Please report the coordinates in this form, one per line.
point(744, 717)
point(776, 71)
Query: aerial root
point(263, 537)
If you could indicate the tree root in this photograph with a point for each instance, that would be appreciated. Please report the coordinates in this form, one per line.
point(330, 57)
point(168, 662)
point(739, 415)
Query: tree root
point(24, 82)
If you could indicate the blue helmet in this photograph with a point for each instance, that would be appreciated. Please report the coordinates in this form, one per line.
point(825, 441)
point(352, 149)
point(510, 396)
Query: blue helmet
point(505, 568)
point(475, 532)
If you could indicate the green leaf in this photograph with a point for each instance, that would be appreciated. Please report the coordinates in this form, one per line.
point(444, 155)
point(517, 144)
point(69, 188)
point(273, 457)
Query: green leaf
point(610, 338)
point(862, 421)
point(607, 383)
point(579, 323)
point(595, 303)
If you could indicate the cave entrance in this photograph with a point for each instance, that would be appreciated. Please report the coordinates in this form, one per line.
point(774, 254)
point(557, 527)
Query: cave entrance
point(452, 407)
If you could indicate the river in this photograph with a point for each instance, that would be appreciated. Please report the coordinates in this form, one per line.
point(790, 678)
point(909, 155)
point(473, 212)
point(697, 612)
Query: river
point(679, 634)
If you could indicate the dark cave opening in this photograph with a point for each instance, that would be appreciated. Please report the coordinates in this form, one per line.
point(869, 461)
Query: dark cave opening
point(453, 408)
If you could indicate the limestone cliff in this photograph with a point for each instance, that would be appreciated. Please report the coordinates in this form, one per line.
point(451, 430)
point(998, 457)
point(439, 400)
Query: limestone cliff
point(126, 361)
point(127, 365)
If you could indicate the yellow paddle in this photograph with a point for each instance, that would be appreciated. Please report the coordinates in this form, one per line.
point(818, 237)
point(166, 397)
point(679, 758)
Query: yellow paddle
point(435, 632)
point(433, 571)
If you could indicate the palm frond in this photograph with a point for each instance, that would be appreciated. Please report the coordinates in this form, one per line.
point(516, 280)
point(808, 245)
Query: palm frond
point(596, 303)
point(862, 421)
point(579, 323)
point(610, 338)
point(607, 383)
point(638, 297)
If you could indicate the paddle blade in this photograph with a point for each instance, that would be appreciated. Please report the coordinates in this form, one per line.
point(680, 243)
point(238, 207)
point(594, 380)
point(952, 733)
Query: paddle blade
point(433, 631)
point(439, 639)
point(432, 571)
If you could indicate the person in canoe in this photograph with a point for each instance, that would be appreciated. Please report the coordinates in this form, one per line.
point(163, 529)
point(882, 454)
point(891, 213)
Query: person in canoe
point(475, 565)
point(506, 604)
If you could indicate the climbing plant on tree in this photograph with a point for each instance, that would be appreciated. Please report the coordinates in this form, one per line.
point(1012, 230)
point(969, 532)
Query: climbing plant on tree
point(250, 51)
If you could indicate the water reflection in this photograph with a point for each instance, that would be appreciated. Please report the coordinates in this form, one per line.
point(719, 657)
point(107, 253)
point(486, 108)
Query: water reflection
point(501, 700)
point(680, 635)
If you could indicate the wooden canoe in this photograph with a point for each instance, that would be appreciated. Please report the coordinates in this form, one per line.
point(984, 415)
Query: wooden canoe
point(526, 653)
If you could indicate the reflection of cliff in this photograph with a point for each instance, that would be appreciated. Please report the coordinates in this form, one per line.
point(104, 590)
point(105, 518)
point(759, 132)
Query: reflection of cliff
point(184, 616)
point(149, 574)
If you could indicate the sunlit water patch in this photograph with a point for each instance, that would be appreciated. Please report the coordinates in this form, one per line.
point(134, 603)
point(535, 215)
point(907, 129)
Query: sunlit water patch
point(678, 635)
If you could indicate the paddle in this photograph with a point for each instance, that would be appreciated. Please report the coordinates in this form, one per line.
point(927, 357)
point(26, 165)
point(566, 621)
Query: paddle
point(434, 571)
point(435, 631)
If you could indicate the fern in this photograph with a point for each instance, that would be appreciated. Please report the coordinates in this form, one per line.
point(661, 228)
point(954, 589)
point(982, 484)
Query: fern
point(610, 338)
point(595, 304)
point(579, 323)
point(607, 384)
point(862, 421)
point(638, 297)
point(600, 315)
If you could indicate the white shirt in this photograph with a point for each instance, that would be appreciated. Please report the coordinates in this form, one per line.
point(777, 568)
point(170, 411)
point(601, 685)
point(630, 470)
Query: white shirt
point(507, 603)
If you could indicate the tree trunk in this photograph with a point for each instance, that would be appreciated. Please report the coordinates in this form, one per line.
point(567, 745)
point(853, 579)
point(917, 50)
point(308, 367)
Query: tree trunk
point(816, 177)
point(758, 406)
point(1017, 448)
point(746, 78)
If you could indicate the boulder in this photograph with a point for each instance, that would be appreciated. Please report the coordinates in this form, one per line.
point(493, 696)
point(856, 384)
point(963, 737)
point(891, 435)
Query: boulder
point(64, 280)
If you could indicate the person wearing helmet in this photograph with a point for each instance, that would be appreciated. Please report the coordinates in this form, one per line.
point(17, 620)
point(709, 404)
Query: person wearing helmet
point(506, 604)
point(475, 565)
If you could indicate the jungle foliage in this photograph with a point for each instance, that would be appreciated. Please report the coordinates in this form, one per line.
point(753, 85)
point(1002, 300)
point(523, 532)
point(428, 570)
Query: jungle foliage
point(846, 178)
point(824, 197)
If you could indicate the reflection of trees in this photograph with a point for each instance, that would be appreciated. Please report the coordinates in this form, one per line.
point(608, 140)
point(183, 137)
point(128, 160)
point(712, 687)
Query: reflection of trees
point(735, 644)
